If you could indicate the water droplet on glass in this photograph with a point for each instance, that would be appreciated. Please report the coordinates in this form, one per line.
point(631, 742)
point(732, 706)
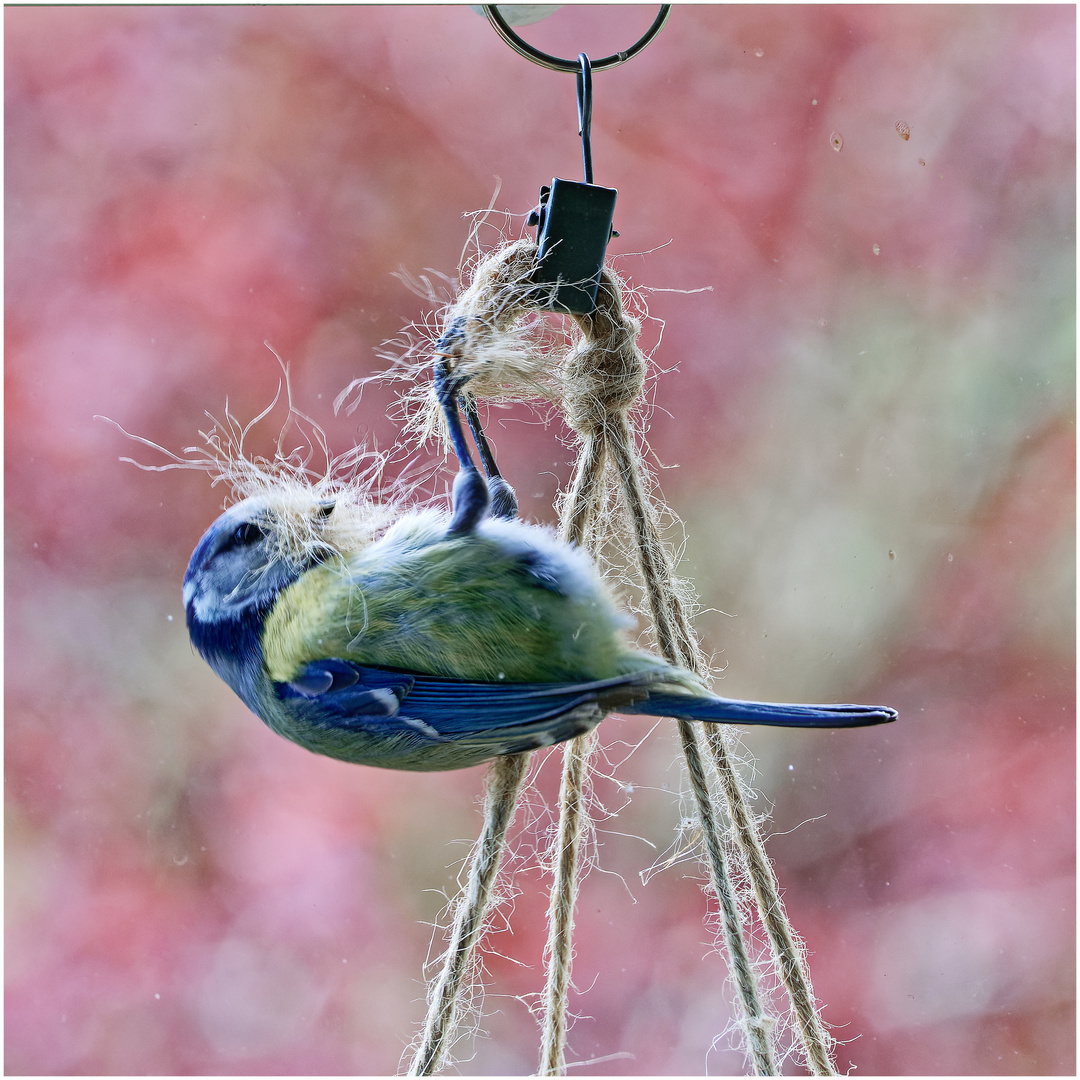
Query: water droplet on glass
point(759, 52)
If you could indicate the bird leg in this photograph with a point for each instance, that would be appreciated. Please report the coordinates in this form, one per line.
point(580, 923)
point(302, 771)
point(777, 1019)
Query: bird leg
point(504, 502)
point(472, 497)
point(469, 495)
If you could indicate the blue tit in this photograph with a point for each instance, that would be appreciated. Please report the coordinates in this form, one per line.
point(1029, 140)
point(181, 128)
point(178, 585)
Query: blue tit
point(436, 642)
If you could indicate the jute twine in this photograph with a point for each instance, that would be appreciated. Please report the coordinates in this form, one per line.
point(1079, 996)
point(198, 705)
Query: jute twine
point(449, 990)
point(598, 382)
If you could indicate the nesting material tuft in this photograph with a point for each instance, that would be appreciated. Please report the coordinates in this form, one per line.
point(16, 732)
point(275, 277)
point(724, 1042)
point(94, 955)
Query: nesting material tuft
point(338, 507)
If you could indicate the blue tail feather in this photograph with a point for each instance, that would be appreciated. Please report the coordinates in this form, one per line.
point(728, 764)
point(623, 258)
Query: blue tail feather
point(726, 710)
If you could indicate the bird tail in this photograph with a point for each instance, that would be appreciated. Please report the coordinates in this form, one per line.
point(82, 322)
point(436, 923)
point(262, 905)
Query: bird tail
point(726, 710)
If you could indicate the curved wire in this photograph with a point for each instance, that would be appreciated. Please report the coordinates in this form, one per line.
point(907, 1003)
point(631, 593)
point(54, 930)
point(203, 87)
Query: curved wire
point(556, 63)
point(584, 113)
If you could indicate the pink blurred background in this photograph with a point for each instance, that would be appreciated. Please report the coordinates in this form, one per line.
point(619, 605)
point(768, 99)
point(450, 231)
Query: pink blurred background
point(872, 418)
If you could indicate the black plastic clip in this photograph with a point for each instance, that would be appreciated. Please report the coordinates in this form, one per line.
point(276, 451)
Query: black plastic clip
point(574, 226)
point(574, 222)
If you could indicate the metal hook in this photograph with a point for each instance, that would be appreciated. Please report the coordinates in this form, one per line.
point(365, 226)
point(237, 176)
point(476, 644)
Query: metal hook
point(556, 63)
point(584, 113)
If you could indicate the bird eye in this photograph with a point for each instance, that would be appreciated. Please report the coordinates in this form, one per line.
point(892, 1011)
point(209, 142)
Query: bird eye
point(248, 533)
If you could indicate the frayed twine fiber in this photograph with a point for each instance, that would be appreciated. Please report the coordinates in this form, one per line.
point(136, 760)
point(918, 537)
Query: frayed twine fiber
point(598, 382)
point(501, 352)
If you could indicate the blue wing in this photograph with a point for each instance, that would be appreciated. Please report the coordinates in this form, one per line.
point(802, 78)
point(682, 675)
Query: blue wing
point(512, 717)
point(498, 718)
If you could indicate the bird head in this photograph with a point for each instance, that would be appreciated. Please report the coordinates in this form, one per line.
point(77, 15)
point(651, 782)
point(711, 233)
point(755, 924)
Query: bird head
point(242, 562)
point(261, 545)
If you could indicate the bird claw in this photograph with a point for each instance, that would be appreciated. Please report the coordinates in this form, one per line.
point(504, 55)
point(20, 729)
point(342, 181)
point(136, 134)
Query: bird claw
point(448, 384)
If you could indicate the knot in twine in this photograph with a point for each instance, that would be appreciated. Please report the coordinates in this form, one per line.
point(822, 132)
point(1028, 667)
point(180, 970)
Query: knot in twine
point(604, 373)
point(505, 358)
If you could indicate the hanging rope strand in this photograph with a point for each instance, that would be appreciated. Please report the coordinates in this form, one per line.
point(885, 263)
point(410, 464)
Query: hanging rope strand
point(756, 1023)
point(678, 644)
point(505, 778)
point(816, 1042)
point(605, 374)
point(577, 513)
point(562, 903)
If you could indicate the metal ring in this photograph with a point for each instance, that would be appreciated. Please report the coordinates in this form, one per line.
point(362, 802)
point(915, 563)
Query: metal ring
point(556, 63)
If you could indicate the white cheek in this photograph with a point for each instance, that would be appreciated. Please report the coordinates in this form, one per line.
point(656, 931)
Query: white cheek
point(207, 604)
